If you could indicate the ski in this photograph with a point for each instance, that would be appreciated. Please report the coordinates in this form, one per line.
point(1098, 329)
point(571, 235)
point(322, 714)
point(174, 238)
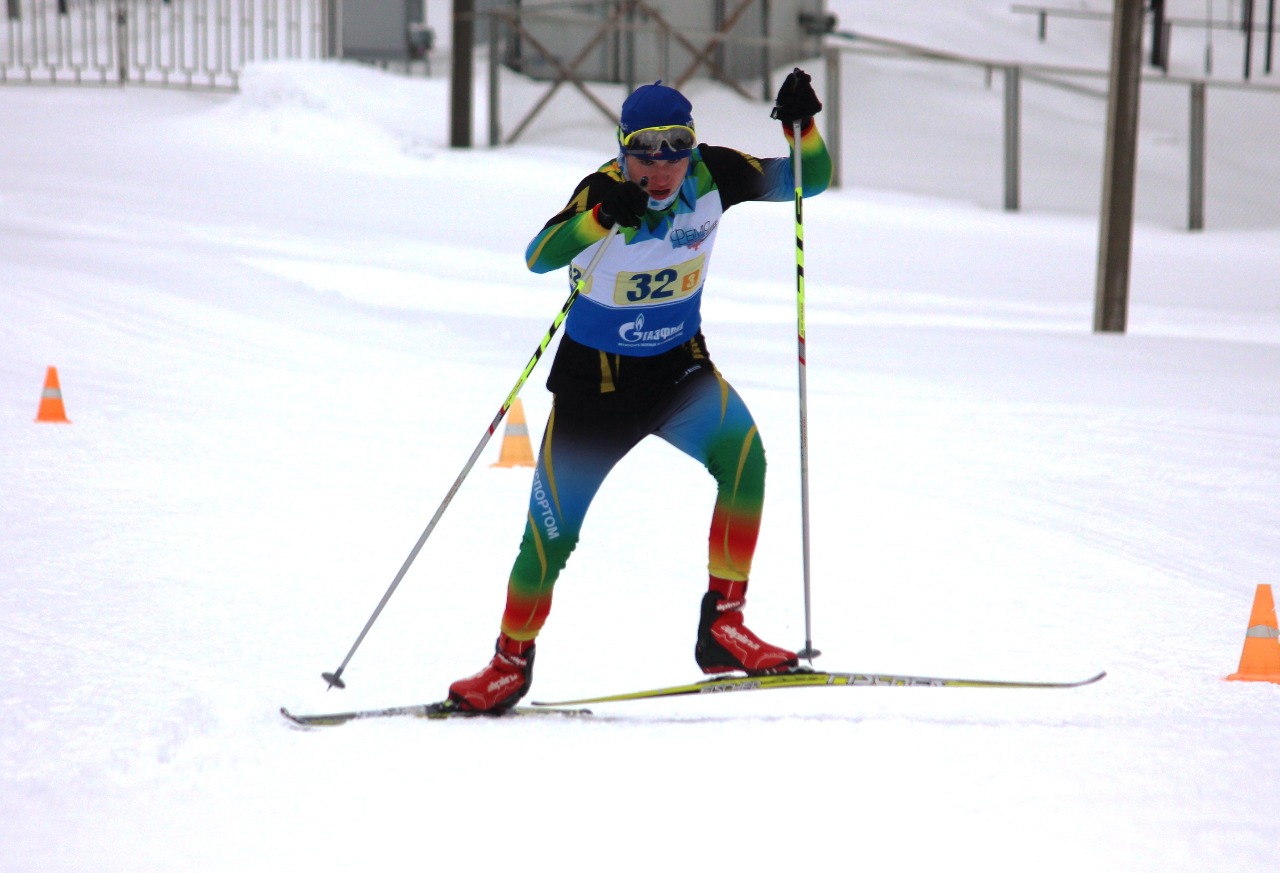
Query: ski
point(809, 679)
point(432, 711)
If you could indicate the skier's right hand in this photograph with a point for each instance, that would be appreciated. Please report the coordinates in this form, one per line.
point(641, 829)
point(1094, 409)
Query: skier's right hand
point(625, 204)
point(796, 99)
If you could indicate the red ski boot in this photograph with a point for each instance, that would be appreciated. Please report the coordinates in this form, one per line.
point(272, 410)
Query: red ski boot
point(725, 644)
point(499, 685)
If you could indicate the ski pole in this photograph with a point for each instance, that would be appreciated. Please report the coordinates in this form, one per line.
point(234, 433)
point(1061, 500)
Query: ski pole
point(808, 652)
point(335, 678)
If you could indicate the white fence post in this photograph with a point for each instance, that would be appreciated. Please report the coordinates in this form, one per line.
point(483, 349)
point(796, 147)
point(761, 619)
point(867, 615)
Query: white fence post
point(833, 106)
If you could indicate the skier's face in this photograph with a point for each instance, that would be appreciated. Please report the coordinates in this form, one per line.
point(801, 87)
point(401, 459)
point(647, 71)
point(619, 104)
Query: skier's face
point(664, 176)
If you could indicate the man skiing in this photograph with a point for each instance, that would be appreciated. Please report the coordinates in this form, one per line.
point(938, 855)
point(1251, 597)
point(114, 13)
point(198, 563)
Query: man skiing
point(634, 362)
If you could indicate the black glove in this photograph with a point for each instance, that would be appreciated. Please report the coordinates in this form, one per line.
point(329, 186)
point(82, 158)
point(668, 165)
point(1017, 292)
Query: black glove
point(625, 204)
point(796, 100)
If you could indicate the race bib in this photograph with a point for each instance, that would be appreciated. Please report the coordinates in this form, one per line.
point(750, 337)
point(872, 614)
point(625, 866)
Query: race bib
point(658, 286)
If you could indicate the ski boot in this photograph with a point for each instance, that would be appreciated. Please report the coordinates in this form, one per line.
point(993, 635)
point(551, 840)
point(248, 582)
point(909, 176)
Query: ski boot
point(725, 644)
point(501, 683)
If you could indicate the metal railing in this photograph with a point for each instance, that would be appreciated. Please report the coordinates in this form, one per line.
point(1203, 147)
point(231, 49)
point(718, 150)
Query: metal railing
point(1162, 25)
point(175, 43)
point(1075, 79)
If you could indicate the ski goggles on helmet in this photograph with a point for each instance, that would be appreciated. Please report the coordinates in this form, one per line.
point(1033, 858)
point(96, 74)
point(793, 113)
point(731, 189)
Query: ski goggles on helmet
point(671, 141)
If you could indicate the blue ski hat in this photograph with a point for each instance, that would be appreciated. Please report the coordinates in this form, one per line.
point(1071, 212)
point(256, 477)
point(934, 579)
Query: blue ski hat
point(656, 105)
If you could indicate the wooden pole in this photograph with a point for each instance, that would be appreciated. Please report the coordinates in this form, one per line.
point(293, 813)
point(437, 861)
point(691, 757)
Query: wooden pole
point(460, 74)
point(1111, 303)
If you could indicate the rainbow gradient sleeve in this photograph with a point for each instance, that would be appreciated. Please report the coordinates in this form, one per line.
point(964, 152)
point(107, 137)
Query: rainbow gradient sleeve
point(558, 244)
point(815, 166)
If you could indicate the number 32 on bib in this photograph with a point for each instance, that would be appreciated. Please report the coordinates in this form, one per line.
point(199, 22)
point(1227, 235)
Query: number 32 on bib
point(669, 283)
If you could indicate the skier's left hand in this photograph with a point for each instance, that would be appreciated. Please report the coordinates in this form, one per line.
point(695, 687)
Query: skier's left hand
point(796, 99)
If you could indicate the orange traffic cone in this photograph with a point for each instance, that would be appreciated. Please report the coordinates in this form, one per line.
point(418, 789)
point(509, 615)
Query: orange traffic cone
point(516, 448)
point(1260, 660)
point(51, 408)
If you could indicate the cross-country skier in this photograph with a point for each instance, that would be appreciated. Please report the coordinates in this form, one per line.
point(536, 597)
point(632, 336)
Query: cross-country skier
point(633, 362)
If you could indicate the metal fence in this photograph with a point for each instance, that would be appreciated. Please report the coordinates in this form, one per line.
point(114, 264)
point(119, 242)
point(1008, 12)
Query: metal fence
point(1249, 27)
point(738, 44)
point(1088, 82)
point(175, 43)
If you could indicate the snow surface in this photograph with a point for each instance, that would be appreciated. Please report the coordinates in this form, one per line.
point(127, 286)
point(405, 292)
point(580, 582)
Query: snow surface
point(284, 318)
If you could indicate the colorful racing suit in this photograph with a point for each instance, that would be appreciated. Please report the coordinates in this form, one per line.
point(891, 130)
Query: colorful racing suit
point(633, 362)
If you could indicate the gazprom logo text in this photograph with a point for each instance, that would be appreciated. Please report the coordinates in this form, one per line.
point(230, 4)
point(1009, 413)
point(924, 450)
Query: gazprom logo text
point(634, 332)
